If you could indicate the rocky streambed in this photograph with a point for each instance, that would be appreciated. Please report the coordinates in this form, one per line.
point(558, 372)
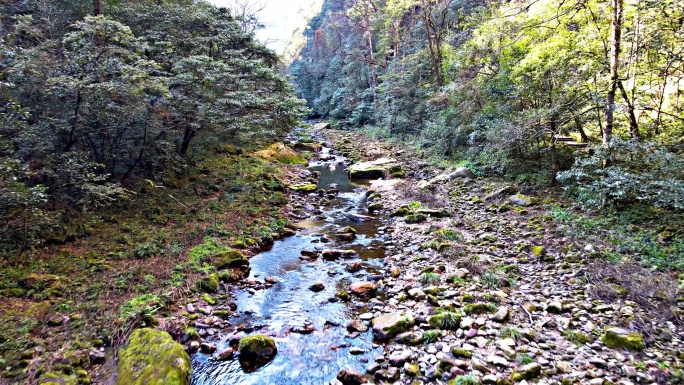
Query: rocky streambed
point(438, 277)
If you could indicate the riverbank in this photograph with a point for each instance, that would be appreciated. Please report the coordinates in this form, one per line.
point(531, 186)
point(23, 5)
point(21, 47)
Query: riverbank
point(507, 289)
point(67, 306)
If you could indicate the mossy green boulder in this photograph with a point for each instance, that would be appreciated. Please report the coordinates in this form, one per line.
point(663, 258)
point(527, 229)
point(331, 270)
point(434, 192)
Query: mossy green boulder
point(304, 188)
point(152, 357)
point(230, 259)
point(620, 338)
point(258, 346)
point(209, 284)
point(400, 212)
point(280, 153)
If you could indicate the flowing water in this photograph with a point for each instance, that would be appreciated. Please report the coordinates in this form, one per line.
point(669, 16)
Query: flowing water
point(313, 358)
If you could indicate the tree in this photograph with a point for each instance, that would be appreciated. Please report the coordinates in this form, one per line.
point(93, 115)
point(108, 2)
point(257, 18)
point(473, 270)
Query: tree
point(616, 31)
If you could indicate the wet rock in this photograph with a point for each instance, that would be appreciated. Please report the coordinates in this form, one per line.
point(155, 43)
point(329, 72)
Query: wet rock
point(355, 351)
point(207, 348)
point(526, 372)
point(399, 358)
point(335, 254)
point(357, 326)
point(350, 377)
point(257, 347)
point(317, 287)
point(354, 267)
point(271, 280)
point(363, 288)
point(225, 355)
point(395, 272)
point(96, 357)
point(150, 356)
point(389, 325)
point(619, 338)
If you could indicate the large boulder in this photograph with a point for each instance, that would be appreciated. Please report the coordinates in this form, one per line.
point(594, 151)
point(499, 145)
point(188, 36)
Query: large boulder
point(387, 326)
point(376, 169)
point(280, 153)
point(521, 200)
point(620, 338)
point(152, 357)
point(321, 126)
point(256, 350)
point(230, 259)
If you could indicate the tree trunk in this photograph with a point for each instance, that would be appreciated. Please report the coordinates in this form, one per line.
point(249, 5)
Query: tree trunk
point(614, 64)
point(633, 124)
point(374, 75)
point(188, 135)
point(97, 7)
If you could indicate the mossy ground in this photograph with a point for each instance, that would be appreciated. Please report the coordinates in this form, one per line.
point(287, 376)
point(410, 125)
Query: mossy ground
point(119, 266)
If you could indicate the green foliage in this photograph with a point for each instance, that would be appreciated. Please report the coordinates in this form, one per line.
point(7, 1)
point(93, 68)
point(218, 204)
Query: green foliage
point(637, 172)
point(141, 307)
point(510, 332)
point(524, 359)
point(431, 336)
point(198, 255)
point(465, 380)
point(93, 104)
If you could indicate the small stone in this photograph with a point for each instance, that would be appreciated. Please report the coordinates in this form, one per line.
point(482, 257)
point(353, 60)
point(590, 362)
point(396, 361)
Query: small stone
point(564, 367)
point(555, 307)
point(350, 377)
point(395, 272)
point(357, 326)
point(96, 357)
point(317, 287)
point(225, 355)
point(526, 372)
point(629, 371)
point(598, 362)
point(356, 351)
point(501, 314)
point(354, 267)
point(207, 348)
point(271, 280)
point(363, 288)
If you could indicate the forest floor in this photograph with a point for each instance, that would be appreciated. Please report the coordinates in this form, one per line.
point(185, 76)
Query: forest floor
point(514, 287)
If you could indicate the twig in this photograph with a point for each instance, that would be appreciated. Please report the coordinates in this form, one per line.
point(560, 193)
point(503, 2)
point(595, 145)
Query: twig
point(177, 201)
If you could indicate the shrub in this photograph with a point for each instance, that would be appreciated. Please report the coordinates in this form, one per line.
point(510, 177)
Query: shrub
point(636, 172)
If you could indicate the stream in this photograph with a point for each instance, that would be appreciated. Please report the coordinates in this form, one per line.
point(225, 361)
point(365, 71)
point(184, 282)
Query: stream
point(316, 357)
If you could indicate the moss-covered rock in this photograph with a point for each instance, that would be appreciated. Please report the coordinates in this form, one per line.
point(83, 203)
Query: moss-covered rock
point(526, 372)
point(479, 308)
point(620, 338)
point(230, 259)
point(152, 357)
point(375, 206)
point(400, 212)
point(256, 351)
point(521, 200)
point(376, 169)
point(280, 153)
point(209, 284)
point(433, 213)
point(387, 326)
point(52, 378)
point(415, 218)
point(304, 188)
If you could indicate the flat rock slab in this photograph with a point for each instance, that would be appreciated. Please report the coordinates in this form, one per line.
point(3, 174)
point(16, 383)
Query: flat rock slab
point(376, 169)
